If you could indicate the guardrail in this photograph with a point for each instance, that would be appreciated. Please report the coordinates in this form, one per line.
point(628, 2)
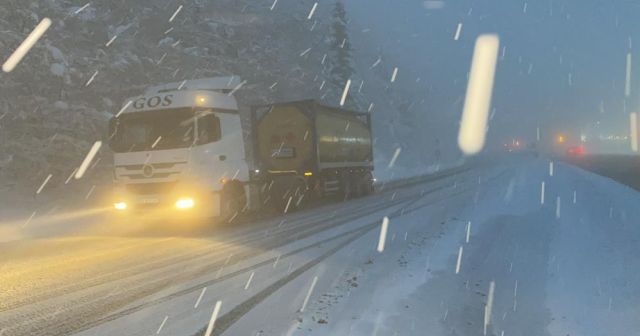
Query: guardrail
point(403, 182)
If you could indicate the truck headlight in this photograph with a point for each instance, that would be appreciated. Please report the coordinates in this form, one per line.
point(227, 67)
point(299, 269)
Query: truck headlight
point(120, 205)
point(185, 203)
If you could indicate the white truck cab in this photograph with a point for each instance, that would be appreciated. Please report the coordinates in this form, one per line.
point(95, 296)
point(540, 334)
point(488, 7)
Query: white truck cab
point(179, 148)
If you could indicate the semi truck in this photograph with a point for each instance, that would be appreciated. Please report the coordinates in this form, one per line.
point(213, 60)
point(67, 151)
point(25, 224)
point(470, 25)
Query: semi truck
point(189, 149)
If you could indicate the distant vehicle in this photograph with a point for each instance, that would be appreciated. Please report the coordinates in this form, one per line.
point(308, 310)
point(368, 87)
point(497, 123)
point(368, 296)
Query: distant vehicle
point(514, 146)
point(575, 151)
point(182, 148)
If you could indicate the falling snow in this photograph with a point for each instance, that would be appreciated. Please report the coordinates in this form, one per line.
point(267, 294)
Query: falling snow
point(69, 68)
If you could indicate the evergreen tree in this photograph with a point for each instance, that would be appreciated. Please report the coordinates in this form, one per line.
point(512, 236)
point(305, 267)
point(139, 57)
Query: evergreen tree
point(340, 64)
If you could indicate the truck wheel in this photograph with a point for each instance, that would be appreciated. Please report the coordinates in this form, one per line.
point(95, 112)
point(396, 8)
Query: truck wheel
point(366, 184)
point(276, 193)
point(316, 192)
point(300, 195)
point(349, 188)
point(232, 201)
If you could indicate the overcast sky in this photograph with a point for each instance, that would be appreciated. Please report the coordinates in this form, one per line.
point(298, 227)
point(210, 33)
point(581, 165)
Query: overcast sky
point(563, 67)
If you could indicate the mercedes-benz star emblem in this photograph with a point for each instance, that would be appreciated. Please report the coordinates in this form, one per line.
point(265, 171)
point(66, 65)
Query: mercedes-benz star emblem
point(147, 171)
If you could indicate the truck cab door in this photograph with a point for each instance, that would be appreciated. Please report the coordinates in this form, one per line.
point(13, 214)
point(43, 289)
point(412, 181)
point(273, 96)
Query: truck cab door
point(223, 156)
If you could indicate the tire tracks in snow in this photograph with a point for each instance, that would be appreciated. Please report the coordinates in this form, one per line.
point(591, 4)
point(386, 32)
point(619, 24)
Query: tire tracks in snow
point(85, 308)
point(81, 313)
point(227, 320)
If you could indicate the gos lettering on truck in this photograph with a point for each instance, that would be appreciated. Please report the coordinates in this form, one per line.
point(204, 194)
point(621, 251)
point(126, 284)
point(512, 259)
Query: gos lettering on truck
point(152, 102)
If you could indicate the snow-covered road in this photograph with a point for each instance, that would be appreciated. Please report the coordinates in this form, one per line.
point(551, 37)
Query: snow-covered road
point(60, 285)
point(562, 263)
point(562, 266)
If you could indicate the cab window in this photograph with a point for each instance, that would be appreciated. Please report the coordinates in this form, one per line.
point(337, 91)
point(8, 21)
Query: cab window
point(208, 128)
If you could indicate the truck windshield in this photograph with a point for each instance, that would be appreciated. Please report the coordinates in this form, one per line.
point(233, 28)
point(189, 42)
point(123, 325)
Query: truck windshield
point(156, 130)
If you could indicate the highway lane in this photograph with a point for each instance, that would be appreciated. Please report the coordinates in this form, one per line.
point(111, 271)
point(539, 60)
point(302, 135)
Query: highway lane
point(63, 285)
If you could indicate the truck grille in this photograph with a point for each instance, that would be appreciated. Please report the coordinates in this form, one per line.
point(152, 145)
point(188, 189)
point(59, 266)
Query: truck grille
point(150, 188)
point(159, 165)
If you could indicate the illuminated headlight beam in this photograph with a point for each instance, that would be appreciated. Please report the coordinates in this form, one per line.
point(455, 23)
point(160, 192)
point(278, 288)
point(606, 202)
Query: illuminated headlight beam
point(185, 203)
point(120, 205)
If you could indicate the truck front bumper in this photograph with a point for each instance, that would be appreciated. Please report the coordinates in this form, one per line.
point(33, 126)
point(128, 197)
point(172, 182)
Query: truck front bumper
point(198, 205)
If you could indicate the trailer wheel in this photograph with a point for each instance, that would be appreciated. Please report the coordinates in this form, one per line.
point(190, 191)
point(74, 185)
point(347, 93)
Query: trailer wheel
point(232, 201)
point(300, 194)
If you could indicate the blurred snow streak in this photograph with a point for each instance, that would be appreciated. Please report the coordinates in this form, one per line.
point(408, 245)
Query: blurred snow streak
point(633, 131)
point(26, 45)
point(475, 114)
point(214, 316)
point(489, 307)
point(88, 159)
point(383, 234)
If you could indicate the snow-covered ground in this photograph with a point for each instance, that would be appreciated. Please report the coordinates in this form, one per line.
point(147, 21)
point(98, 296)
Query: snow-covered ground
point(559, 268)
point(100, 279)
point(560, 265)
point(566, 269)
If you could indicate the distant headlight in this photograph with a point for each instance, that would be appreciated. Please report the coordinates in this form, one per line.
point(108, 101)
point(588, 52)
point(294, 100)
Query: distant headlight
point(185, 203)
point(120, 205)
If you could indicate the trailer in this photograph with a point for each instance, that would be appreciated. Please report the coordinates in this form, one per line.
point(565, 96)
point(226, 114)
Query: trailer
point(305, 149)
point(189, 149)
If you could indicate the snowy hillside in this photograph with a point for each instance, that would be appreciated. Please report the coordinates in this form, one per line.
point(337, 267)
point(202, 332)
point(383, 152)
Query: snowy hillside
point(57, 101)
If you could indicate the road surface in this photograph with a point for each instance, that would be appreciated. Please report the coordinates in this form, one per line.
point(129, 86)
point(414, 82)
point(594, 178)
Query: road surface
point(484, 250)
point(61, 285)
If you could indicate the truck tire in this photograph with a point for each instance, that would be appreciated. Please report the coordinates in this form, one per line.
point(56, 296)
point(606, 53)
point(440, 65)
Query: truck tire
point(349, 188)
point(300, 194)
point(275, 196)
point(232, 201)
point(365, 184)
point(316, 190)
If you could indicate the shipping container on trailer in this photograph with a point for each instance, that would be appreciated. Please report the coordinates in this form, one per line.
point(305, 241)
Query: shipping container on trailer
point(307, 149)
